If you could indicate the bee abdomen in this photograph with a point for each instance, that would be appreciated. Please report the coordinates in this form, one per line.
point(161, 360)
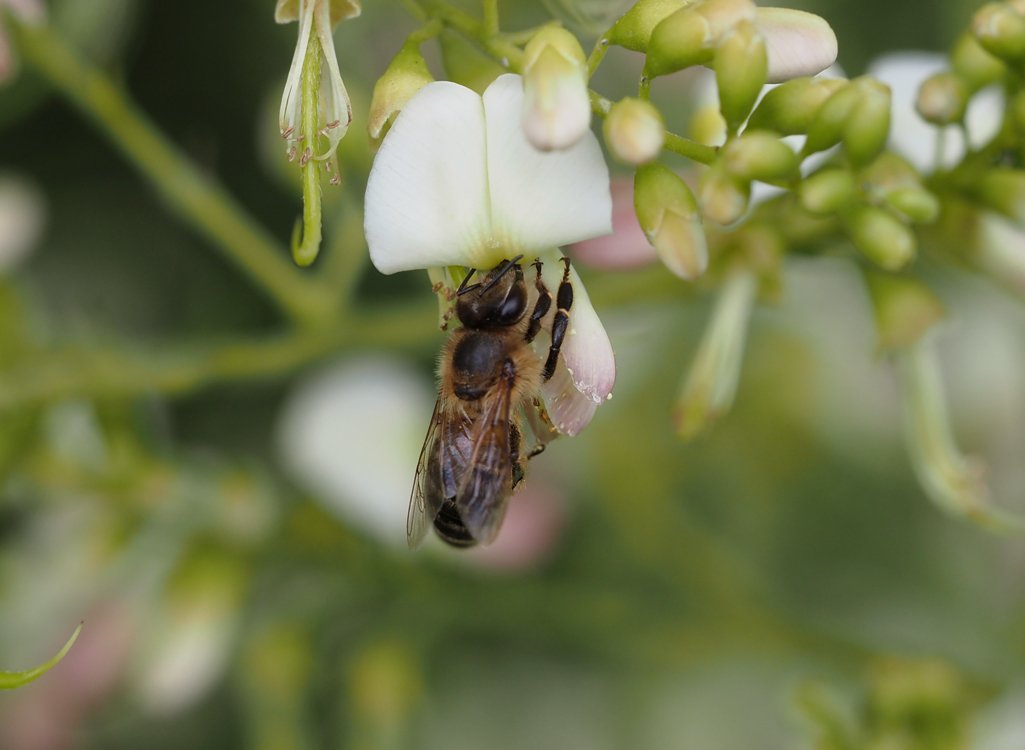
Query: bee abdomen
point(450, 526)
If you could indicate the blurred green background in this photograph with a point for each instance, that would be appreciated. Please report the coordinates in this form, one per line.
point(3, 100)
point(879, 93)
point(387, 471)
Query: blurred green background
point(235, 547)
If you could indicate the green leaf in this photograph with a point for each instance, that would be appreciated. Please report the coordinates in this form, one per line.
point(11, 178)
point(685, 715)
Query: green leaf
point(11, 680)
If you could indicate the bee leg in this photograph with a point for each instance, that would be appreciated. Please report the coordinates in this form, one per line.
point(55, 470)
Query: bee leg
point(516, 459)
point(560, 324)
point(541, 307)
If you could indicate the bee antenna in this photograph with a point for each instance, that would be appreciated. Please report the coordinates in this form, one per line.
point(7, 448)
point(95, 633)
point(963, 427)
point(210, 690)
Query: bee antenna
point(463, 288)
point(502, 271)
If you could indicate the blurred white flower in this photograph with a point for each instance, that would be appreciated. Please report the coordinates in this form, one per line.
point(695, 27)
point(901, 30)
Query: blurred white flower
point(22, 213)
point(913, 137)
point(456, 183)
point(351, 434)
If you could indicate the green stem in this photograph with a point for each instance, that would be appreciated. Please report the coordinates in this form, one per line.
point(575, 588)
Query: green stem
point(94, 372)
point(305, 251)
point(190, 194)
point(597, 55)
point(490, 17)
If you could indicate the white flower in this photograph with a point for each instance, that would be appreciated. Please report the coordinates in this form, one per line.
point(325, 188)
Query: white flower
point(335, 113)
point(22, 213)
point(456, 183)
point(351, 433)
point(913, 137)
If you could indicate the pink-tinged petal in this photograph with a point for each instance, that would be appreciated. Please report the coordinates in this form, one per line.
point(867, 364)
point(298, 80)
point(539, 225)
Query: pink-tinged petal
point(797, 43)
point(570, 410)
point(540, 200)
point(427, 194)
point(626, 247)
point(586, 372)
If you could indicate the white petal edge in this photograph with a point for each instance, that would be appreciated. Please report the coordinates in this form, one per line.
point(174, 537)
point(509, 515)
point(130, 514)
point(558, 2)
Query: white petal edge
point(540, 200)
point(427, 194)
point(586, 351)
point(797, 43)
point(569, 409)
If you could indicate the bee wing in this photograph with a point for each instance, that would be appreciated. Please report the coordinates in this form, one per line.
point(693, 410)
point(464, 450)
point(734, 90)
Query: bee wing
point(488, 481)
point(424, 500)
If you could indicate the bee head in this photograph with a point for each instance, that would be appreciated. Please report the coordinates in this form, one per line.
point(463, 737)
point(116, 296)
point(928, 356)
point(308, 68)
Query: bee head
point(496, 301)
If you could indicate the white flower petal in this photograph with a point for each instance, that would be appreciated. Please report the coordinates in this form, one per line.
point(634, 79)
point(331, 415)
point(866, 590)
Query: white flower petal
point(351, 434)
point(540, 200)
point(427, 195)
point(22, 213)
point(797, 43)
point(569, 409)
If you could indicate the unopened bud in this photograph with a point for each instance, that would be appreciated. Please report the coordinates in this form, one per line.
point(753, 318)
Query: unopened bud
point(708, 126)
point(789, 108)
point(1000, 30)
point(711, 384)
point(724, 196)
point(942, 99)
point(974, 65)
point(634, 29)
point(827, 125)
point(904, 309)
point(669, 216)
point(1003, 190)
point(681, 40)
point(758, 155)
point(634, 131)
point(914, 202)
point(556, 104)
point(865, 134)
point(406, 74)
point(826, 192)
point(881, 237)
point(741, 69)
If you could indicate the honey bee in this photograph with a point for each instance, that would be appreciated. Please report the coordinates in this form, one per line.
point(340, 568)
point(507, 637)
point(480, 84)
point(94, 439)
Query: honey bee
point(490, 378)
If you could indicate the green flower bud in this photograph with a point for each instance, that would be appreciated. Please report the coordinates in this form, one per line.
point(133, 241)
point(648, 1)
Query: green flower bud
point(406, 74)
point(634, 131)
point(789, 108)
point(1003, 190)
point(758, 155)
point(826, 192)
point(1016, 110)
point(881, 237)
point(1000, 30)
point(633, 30)
point(681, 40)
point(710, 386)
point(708, 126)
point(827, 125)
point(669, 216)
point(865, 133)
point(915, 203)
point(942, 99)
point(724, 196)
point(904, 309)
point(974, 65)
point(741, 69)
